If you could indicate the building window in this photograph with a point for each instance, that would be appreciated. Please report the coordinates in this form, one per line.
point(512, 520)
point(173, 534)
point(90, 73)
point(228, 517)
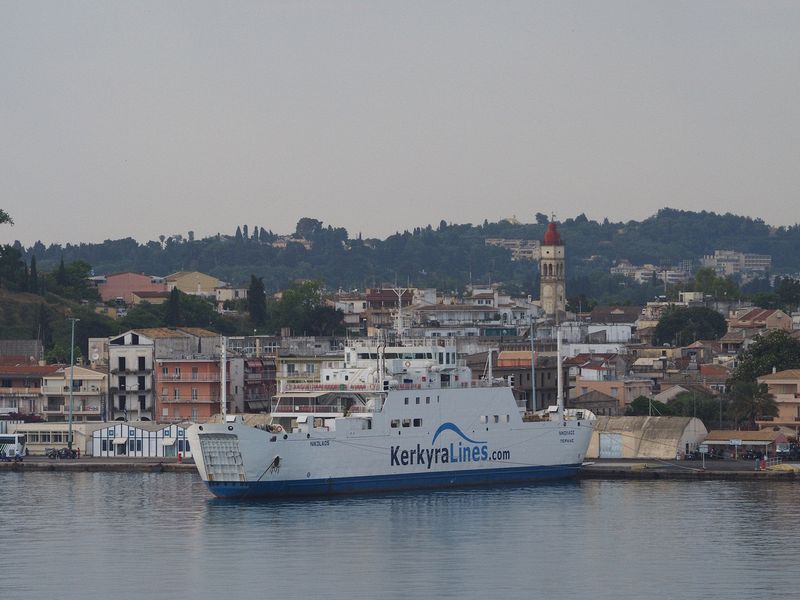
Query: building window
point(194, 373)
point(142, 400)
point(177, 372)
point(194, 394)
point(121, 363)
point(142, 366)
point(176, 394)
point(290, 368)
point(165, 372)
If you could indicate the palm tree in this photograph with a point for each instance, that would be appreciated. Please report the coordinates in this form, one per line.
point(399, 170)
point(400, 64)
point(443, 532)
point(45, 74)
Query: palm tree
point(751, 401)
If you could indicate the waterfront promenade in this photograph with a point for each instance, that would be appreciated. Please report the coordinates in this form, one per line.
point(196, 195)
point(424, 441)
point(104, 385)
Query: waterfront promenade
point(98, 464)
point(599, 469)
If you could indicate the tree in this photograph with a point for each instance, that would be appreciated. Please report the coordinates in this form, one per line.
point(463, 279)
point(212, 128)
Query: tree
point(301, 308)
point(751, 401)
point(173, 315)
point(775, 349)
point(644, 406)
point(61, 274)
point(693, 404)
point(683, 325)
point(542, 219)
point(238, 233)
point(257, 301)
point(33, 278)
point(307, 227)
point(5, 217)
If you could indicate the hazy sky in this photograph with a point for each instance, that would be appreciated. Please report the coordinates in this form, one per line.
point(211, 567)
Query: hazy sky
point(146, 118)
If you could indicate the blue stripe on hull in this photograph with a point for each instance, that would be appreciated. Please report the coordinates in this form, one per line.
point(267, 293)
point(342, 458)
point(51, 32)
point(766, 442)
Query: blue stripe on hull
point(389, 483)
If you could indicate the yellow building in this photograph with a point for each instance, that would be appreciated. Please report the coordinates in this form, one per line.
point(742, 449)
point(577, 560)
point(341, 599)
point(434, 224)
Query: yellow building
point(193, 282)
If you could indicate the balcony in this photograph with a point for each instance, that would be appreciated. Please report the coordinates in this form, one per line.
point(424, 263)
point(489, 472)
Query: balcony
point(76, 410)
point(19, 392)
point(190, 400)
point(130, 389)
point(131, 371)
point(189, 378)
point(59, 390)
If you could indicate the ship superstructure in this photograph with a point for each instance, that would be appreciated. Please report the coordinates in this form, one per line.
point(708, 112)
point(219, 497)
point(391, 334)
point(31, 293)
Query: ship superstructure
point(402, 416)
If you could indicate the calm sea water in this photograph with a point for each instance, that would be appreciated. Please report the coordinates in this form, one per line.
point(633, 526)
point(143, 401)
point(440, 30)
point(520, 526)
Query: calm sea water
point(122, 536)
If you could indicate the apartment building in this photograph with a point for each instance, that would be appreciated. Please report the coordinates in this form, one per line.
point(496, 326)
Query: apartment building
point(190, 389)
point(88, 395)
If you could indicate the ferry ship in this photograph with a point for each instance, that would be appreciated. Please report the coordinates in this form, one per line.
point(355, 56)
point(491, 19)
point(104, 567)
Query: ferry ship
point(393, 418)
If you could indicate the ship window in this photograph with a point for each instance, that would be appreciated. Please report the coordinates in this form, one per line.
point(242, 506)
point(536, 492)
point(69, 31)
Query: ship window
point(417, 422)
point(484, 419)
point(405, 401)
point(497, 418)
point(406, 422)
point(417, 399)
point(327, 377)
point(508, 418)
point(427, 399)
point(395, 423)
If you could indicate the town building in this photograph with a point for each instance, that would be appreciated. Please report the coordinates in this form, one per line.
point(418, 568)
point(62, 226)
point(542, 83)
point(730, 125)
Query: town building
point(784, 386)
point(139, 440)
point(132, 357)
point(193, 283)
point(189, 389)
point(21, 387)
point(89, 389)
point(729, 262)
point(520, 249)
point(121, 286)
point(645, 437)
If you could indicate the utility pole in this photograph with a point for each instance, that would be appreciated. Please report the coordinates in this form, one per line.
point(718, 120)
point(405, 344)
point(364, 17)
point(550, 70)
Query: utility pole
point(71, 378)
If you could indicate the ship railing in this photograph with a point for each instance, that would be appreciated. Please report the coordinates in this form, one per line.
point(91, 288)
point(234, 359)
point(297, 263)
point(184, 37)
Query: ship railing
point(328, 387)
point(307, 408)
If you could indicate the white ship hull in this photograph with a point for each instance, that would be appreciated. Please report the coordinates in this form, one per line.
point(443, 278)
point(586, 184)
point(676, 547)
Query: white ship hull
point(419, 439)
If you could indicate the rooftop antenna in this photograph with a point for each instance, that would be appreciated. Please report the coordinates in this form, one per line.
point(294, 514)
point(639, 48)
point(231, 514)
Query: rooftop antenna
point(400, 292)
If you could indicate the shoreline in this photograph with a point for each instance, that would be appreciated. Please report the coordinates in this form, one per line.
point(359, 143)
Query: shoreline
point(606, 469)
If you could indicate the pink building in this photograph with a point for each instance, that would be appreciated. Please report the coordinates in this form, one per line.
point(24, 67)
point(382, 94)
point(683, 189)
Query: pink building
point(122, 285)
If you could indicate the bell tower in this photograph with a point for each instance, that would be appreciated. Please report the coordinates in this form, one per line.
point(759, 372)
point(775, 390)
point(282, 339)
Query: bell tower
point(552, 286)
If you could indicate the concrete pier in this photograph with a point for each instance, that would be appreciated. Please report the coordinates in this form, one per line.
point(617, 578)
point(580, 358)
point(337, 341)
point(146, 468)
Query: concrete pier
point(99, 465)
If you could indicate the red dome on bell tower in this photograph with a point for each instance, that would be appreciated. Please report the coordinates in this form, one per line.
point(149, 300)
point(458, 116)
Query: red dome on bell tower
point(551, 236)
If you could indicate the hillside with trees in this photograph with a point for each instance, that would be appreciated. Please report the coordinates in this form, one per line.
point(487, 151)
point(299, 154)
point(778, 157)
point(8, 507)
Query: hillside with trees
point(447, 256)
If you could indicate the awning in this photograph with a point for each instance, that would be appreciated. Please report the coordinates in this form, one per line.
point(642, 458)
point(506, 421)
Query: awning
point(168, 441)
point(744, 442)
point(120, 440)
